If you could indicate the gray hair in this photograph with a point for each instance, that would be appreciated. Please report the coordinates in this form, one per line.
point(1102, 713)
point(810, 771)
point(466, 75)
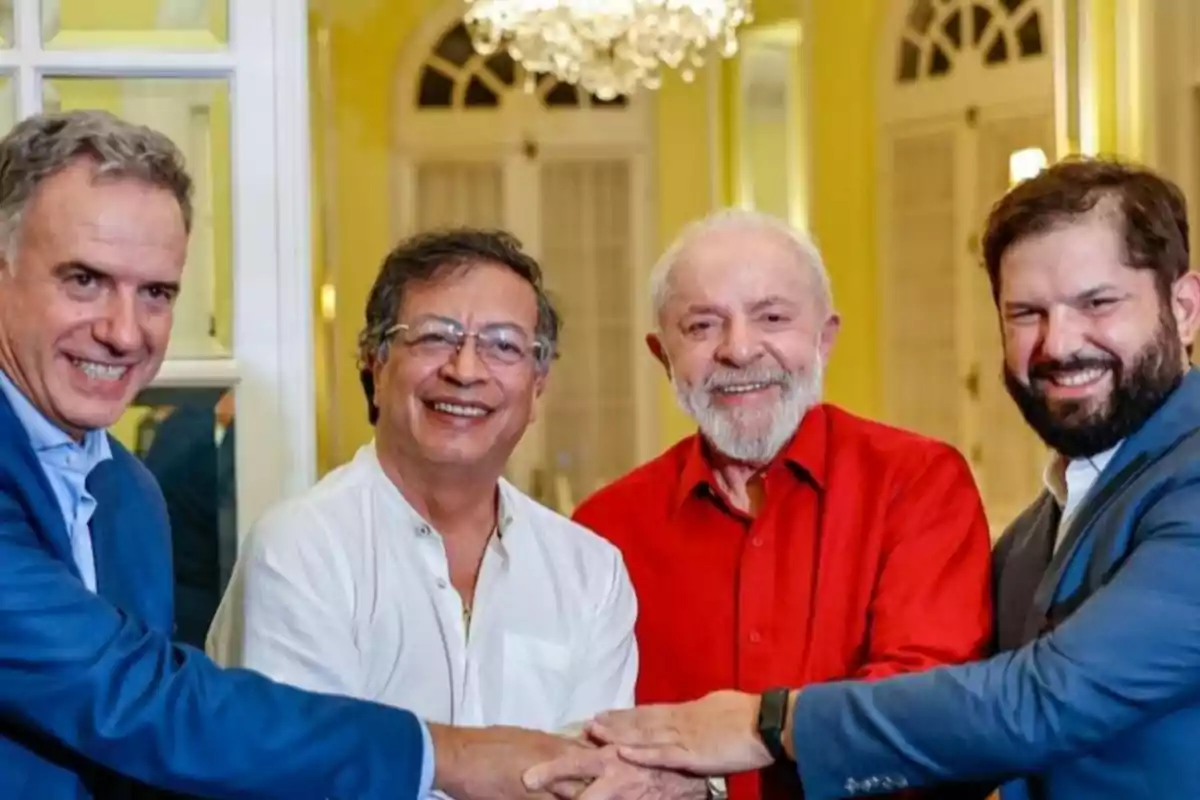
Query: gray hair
point(43, 145)
point(807, 254)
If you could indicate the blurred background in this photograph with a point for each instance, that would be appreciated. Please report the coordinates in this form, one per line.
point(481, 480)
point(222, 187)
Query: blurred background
point(320, 133)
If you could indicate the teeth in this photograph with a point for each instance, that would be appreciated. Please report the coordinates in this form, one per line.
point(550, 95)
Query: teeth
point(459, 411)
point(742, 388)
point(101, 372)
point(1079, 378)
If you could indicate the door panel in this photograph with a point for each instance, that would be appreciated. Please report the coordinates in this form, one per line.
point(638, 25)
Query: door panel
point(1012, 457)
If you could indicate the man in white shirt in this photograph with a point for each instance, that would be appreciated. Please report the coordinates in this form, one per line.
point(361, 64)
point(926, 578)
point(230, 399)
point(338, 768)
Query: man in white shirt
point(415, 575)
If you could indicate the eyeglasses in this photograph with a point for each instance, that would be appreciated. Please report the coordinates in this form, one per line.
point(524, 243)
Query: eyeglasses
point(496, 345)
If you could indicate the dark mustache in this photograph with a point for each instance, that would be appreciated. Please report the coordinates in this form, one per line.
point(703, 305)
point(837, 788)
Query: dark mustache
point(1044, 370)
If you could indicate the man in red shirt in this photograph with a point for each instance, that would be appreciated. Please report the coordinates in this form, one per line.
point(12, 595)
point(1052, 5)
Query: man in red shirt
point(788, 542)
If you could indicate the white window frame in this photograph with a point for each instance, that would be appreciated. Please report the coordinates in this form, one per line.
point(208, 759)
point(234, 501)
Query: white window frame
point(271, 365)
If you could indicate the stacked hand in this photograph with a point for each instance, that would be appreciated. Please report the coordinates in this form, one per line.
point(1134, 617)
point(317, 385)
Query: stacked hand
point(647, 753)
point(656, 751)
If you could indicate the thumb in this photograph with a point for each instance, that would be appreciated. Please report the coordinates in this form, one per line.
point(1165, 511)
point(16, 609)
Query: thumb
point(564, 768)
point(669, 756)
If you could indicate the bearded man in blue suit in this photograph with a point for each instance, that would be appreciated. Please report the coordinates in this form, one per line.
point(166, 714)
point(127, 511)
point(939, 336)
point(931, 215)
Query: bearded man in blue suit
point(95, 700)
point(1096, 693)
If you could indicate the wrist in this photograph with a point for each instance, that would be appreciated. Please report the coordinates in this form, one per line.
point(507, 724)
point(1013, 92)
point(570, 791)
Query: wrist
point(772, 727)
point(789, 726)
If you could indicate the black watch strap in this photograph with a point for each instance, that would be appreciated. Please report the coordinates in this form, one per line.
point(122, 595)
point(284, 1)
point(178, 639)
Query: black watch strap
point(772, 718)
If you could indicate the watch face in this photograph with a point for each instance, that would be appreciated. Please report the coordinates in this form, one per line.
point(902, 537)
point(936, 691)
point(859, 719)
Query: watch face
point(717, 790)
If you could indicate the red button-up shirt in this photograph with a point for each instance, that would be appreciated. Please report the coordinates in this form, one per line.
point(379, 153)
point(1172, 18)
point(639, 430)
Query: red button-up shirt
point(869, 556)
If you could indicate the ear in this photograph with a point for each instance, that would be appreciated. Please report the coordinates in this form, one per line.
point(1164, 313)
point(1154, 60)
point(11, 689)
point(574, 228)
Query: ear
point(1185, 305)
point(654, 343)
point(539, 386)
point(829, 332)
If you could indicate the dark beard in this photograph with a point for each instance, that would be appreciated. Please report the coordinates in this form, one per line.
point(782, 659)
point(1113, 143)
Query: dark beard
point(1076, 430)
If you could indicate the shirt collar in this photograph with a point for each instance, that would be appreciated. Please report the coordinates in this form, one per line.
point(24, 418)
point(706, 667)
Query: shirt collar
point(45, 436)
point(805, 453)
point(1061, 472)
point(506, 516)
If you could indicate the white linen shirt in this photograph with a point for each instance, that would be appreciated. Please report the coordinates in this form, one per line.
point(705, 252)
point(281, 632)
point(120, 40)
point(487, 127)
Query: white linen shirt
point(346, 590)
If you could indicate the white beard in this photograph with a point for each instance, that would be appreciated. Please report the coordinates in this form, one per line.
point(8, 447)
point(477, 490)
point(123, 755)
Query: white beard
point(752, 436)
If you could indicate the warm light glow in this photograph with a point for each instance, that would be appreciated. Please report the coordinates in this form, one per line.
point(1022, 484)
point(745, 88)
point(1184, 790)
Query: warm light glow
point(608, 47)
point(1025, 164)
point(328, 301)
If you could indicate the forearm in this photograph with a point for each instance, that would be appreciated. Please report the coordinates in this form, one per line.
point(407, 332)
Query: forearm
point(170, 718)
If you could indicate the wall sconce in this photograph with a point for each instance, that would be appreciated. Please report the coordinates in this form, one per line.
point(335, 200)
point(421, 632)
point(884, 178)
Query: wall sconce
point(328, 301)
point(1025, 164)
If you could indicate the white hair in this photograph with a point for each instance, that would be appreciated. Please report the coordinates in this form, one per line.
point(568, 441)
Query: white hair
point(808, 255)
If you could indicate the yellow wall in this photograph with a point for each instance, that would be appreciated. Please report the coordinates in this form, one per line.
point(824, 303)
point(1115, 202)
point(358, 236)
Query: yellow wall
point(843, 41)
point(366, 38)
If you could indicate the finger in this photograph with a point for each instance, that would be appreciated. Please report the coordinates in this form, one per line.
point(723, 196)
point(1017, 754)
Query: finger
point(567, 790)
point(669, 756)
point(630, 735)
point(609, 787)
point(580, 763)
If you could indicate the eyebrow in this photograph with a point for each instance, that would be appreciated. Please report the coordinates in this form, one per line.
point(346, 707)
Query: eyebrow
point(516, 326)
point(773, 300)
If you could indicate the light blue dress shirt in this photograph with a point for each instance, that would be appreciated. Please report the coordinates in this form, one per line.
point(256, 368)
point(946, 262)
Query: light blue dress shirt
point(67, 464)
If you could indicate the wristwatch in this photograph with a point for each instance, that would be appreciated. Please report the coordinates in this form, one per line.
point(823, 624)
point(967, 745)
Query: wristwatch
point(717, 790)
point(772, 718)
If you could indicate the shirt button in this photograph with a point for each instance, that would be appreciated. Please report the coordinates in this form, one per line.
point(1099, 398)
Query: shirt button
point(423, 530)
point(757, 541)
point(441, 583)
point(755, 637)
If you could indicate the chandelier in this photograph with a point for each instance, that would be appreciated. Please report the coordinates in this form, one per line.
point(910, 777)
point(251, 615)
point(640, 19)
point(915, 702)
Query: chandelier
point(607, 47)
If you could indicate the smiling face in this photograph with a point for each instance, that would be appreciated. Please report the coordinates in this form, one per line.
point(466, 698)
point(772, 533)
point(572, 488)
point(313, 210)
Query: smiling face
point(86, 309)
point(744, 339)
point(1091, 345)
point(459, 408)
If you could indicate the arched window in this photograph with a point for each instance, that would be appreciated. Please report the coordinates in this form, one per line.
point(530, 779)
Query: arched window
point(938, 33)
point(454, 75)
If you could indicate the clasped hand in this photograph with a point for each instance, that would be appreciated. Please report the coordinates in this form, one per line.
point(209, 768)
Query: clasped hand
point(658, 752)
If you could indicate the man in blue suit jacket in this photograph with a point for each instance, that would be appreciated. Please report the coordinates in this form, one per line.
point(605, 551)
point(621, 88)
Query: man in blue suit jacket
point(95, 701)
point(1097, 691)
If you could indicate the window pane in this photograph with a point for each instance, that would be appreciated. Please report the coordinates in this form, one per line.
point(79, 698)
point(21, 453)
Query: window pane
point(137, 24)
point(8, 107)
point(195, 114)
point(6, 23)
point(185, 437)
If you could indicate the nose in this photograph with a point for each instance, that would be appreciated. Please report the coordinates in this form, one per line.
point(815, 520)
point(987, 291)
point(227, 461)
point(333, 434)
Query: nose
point(1062, 334)
point(464, 366)
point(119, 328)
point(740, 344)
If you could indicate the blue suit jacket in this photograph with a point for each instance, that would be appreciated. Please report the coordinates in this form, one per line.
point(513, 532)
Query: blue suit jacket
point(1104, 702)
point(95, 701)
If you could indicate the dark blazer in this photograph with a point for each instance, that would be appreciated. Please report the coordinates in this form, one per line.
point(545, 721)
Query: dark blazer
point(1100, 698)
point(95, 700)
point(197, 480)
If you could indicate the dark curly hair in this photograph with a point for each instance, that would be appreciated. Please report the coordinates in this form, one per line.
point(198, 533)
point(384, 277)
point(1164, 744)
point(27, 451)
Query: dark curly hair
point(1151, 210)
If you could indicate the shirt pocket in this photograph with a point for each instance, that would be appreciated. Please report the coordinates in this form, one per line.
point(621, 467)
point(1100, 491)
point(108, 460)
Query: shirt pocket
point(537, 682)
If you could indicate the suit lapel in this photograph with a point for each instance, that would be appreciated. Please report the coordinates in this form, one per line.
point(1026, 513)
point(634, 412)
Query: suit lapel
point(1024, 567)
point(1177, 418)
point(49, 518)
point(113, 582)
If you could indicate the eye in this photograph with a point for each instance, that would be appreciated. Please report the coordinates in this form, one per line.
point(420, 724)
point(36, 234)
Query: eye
point(1101, 303)
point(160, 294)
point(700, 326)
point(775, 318)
